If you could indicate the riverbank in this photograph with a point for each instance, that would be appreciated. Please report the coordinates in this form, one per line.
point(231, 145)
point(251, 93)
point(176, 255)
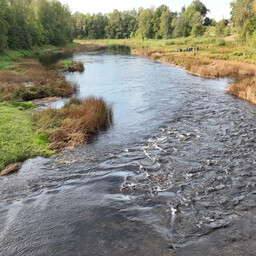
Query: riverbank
point(19, 139)
point(223, 57)
point(205, 67)
point(9, 59)
point(23, 131)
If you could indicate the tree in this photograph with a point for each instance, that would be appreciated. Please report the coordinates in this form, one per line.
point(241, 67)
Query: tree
point(198, 30)
point(189, 17)
point(145, 24)
point(166, 28)
point(200, 7)
point(114, 27)
point(3, 25)
point(242, 11)
point(56, 21)
point(220, 28)
point(207, 22)
point(156, 20)
point(181, 25)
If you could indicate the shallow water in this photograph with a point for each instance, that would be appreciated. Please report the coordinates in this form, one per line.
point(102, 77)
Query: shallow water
point(174, 175)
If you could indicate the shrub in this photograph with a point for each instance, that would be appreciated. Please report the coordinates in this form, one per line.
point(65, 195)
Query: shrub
point(198, 30)
point(220, 28)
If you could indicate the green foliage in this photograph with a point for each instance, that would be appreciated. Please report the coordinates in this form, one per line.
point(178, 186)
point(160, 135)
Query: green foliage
point(146, 24)
point(188, 18)
point(25, 24)
point(243, 15)
point(19, 139)
point(198, 30)
point(220, 28)
point(3, 25)
point(166, 27)
point(159, 23)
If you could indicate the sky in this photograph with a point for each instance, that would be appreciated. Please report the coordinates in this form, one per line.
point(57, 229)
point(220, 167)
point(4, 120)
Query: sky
point(219, 8)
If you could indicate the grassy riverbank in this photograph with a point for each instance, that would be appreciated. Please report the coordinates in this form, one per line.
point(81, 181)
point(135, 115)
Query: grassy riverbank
point(216, 57)
point(26, 133)
point(19, 137)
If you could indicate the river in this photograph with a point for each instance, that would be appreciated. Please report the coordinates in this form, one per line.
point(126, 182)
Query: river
point(174, 175)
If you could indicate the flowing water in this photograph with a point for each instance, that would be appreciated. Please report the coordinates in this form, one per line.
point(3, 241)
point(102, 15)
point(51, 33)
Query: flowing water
point(174, 175)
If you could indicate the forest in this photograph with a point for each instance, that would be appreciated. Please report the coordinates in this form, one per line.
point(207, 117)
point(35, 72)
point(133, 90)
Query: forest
point(28, 23)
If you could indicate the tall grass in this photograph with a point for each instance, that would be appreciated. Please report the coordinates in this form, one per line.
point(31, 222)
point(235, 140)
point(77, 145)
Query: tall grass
point(244, 89)
point(77, 122)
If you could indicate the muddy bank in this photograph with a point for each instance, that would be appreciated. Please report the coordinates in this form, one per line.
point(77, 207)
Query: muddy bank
point(206, 67)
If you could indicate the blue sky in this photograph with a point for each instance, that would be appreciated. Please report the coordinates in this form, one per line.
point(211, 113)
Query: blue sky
point(218, 8)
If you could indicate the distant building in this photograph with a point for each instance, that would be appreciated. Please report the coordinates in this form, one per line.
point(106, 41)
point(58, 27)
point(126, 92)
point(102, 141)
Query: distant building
point(230, 23)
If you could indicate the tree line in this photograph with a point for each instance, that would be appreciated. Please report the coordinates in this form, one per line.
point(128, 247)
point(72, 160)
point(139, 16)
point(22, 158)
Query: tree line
point(28, 23)
point(160, 23)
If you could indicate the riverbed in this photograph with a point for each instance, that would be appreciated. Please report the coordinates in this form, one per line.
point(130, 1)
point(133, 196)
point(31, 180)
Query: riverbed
point(174, 175)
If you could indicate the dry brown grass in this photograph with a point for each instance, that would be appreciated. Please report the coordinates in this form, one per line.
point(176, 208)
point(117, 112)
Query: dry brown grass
point(36, 83)
point(77, 122)
point(201, 66)
point(245, 89)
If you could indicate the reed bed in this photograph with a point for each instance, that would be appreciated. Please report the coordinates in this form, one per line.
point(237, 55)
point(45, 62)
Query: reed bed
point(244, 89)
point(36, 83)
point(74, 124)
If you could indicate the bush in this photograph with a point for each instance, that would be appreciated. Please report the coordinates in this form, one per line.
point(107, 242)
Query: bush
point(198, 30)
point(220, 28)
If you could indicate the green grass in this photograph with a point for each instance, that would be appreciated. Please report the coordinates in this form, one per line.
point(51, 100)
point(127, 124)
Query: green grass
point(212, 47)
point(19, 139)
point(66, 64)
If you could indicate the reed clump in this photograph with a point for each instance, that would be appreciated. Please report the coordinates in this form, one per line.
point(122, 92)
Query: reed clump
point(35, 83)
point(74, 124)
point(244, 89)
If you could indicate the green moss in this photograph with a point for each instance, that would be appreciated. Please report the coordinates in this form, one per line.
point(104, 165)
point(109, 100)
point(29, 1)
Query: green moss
point(19, 138)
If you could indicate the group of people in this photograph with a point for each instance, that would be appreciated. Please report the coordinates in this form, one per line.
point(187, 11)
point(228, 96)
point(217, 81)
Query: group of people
point(189, 49)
